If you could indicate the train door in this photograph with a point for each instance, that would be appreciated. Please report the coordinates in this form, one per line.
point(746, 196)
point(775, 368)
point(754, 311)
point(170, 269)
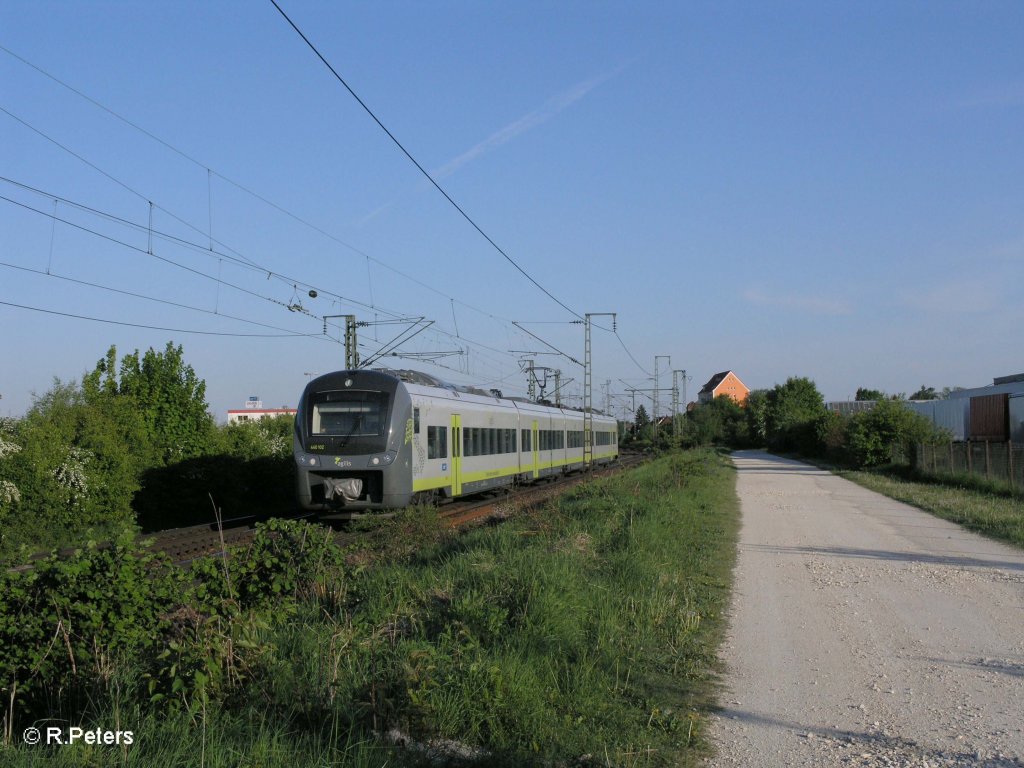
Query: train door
point(456, 454)
point(535, 444)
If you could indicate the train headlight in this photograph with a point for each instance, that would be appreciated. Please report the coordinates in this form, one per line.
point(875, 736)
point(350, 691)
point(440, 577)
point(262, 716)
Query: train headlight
point(385, 459)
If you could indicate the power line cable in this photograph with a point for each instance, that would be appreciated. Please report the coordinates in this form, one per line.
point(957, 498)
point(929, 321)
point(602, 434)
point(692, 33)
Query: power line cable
point(245, 261)
point(218, 280)
point(154, 327)
point(416, 163)
point(241, 258)
point(644, 370)
point(175, 240)
point(195, 246)
point(155, 299)
point(238, 185)
point(164, 259)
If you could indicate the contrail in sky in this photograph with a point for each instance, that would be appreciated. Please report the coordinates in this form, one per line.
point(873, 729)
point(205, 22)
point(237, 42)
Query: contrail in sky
point(516, 128)
point(531, 120)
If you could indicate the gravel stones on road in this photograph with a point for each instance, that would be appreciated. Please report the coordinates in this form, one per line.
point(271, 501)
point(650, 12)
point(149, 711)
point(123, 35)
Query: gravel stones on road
point(864, 632)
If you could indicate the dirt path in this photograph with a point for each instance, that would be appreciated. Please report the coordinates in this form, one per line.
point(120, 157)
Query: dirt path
point(865, 632)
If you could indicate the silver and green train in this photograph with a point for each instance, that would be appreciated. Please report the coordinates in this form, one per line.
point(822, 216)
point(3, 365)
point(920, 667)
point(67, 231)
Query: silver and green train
point(372, 440)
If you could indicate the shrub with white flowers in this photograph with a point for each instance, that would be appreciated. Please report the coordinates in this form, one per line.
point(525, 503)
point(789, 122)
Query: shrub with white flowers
point(71, 474)
point(8, 446)
point(9, 493)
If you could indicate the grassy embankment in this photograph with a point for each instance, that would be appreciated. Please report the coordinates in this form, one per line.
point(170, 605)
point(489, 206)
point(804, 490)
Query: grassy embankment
point(978, 506)
point(583, 634)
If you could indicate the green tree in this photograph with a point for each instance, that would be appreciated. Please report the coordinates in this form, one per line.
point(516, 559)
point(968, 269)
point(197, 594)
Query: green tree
point(925, 393)
point(641, 420)
point(168, 399)
point(869, 394)
point(756, 409)
point(719, 422)
point(793, 410)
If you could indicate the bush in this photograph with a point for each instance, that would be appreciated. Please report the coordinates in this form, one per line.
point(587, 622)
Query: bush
point(70, 475)
point(870, 435)
point(67, 623)
point(721, 422)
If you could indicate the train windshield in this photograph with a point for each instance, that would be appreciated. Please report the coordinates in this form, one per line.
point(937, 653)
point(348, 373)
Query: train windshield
point(349, 413)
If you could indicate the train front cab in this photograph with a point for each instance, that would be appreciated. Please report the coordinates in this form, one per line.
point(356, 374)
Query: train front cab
point(353, 443)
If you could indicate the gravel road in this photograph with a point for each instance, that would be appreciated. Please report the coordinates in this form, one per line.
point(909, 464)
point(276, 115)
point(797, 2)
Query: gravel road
point(864, 632)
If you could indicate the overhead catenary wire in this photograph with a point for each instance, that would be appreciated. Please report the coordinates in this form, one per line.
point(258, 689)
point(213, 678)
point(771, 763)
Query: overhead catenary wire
point(170, 238)
point(144, 297)
point(240, 258)
point(156, 256)
point(209, 231)
point(247, 190)
point(154, 327)
point(419, 167)
point(190, 245)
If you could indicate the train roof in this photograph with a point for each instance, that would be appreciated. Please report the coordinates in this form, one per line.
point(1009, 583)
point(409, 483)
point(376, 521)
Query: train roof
point(428, 380)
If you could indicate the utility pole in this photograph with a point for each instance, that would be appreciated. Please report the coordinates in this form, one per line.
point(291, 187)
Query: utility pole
point(558, 388)
point(588, 395)
point(675, 398)
point(351, 348)
point(657, 385)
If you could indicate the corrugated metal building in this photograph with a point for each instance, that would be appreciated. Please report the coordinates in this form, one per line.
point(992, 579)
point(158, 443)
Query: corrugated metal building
point(1017, 418)
point(850, 407)
point(954, 414)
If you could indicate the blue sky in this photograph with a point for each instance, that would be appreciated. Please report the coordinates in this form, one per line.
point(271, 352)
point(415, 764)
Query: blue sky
point(830, 190)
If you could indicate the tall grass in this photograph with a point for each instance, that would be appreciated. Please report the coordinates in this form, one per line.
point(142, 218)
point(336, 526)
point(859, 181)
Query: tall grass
point(582, 634)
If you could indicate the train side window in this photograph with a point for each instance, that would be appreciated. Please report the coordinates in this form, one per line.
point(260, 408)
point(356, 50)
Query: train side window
point(437, 442)
point(416, 421)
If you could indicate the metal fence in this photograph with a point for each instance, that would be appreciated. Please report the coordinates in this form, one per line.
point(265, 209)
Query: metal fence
point(1001, 462)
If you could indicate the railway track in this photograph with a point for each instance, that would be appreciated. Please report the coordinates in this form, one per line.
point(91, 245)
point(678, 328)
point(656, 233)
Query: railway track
point(183, 545)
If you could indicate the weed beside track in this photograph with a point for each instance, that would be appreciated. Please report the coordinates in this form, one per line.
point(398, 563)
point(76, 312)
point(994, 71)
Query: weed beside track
point(583, 633)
